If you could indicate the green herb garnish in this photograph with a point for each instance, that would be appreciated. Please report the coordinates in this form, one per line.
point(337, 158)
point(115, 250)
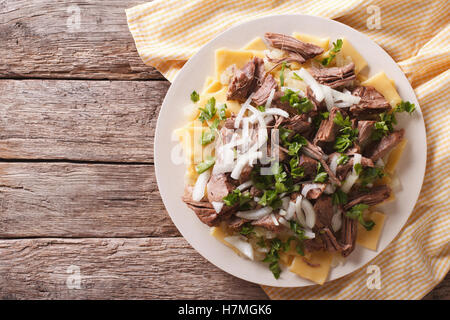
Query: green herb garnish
point(283, 66)
point(356, 212)
point(209, 111)
point(247, 229)
point(337, 46)
point(343, 159)
point(195, 96)
point(296, 76)
point(339, 197)
point(205, 165)
point(302, 105)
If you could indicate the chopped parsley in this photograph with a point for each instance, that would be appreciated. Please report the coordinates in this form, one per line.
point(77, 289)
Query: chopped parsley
point(209, 136)
point(356, 212)
point(302, 105)
point(299, 236)
point(195, 96)
point(296, 170)
point(247, 229)
point(296, 76)
point(387, 120)
point(273, 257)
point(321, 175)
point(343, 159)
point(270, 198)
point(236, 196)
point(209, 111)
point(405, 106)
point(337, 46)
point(358, 168)
point(262, 108)
point(347, 133)
point(283, 66)
point(339, 197)
point(222, 112)
point(369, 175)
point(205, 165)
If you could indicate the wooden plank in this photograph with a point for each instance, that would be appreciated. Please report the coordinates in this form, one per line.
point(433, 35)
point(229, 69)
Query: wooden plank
point(112, 121)
point(145, 268)
point(40, 40)
point(441, 292)
point(81, 200)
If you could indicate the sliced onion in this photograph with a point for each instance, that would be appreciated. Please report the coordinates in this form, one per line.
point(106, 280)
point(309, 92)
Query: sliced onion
point(356, 159)
point(277, 111)
point(245, 185)
point(329, 189)
point(217, 206)
point(240, 244)
point(333, 163)
point(380, 163)
point(336, 220)
point(284, 222)
point(297, 91)
point(268, 119)
point(285, 202)
point(290, 211)
point(200, 185)
point(269, 99)
point(310, 214)
point(240, 115)
point(254, 214)
point(242, 161)
point(309, 234)
point(309, 186)
point(312, 83)
point(345, 97)
point(275, 221)
point(282, 212)
point(396, 185)
point(349, 182)
point(299, 212)
point(329, 101)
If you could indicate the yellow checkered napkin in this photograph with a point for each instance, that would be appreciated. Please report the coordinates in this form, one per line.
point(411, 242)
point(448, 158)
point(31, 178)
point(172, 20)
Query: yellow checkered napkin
point(416, 34)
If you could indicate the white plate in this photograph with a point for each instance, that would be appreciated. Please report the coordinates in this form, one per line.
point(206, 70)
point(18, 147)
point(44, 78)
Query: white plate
point(170, 176)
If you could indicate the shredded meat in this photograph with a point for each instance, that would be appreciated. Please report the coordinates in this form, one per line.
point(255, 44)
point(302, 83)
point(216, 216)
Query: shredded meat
point(385, 145)
point(365, 129)
point(343, 169)
point(309, 166)
point(348, 235)
point(316, 153)
point(268, 223)
point(242, 82)
point(324, 211)
point(328, 129)
point(316, 192)
point(372, 102)
point(262, 94)
point(292, 45)
point(203, 209)
point(218, 187)
point(370, 197)
point(335, 77)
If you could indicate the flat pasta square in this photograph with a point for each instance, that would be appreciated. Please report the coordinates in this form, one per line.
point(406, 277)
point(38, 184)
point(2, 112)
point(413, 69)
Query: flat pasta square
point(370, 239)
point(316, 268)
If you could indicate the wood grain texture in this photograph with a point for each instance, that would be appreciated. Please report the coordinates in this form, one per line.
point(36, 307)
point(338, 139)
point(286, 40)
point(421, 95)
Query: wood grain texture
point(112, 121)
point(81, 200)
point(152, 268)
point(38, 40)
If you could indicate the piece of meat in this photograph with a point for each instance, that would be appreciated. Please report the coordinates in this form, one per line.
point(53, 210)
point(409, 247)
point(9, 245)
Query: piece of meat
point(324, 211)
point(278, 153)
point(348, 235)
point(255, 192)
point(276, 102)
point(316, 153)
point(262, 94)
point(328, 129)
point(290, 44)
point(335, 77)
point(386, 144)
point(268, 223)
point(218, 187)
point(297, 124)
point(291, 57)
point(203, 209)
point(316, 192)
point(309, 166)
point(371, 197)
point(260, 73)
point(365, 129)
point(343, 169)
point(245, 173)
point(242, 82)
point(331, 242)
point(318, 106)
point(372, 102)
point(312, 245)
point(236, 223)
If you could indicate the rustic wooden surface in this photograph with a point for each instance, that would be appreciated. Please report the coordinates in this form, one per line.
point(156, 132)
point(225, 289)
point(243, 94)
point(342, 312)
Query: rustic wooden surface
point(77, 182)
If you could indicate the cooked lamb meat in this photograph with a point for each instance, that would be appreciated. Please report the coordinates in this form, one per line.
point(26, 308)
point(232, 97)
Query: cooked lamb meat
point(365, 129)
point(276, 102)
point(245, 173)
point(328, 129)
point(290, 44)
point(335, 77)
point(278, 152)
point(348, 235)
point(316, 153)
point(291, 57)
point(229, 122)
point(262, 94)
point(297, 124)
point(236, 223)
point(219, 185)
point(324, 211)
point(370, 197)
point(372, 102)
point(242, 82)
point(343, 169)
point(318, 106)
point(309, 165)
point(316, 192)
point(255, 192)
point(312, 245)
point(260, 73)
point(386, 144)
point(203, 209)
point(330, 241)
point(268, 223)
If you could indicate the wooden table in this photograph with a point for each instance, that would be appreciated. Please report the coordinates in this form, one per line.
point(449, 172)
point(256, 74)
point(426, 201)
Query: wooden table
point(81, 216)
